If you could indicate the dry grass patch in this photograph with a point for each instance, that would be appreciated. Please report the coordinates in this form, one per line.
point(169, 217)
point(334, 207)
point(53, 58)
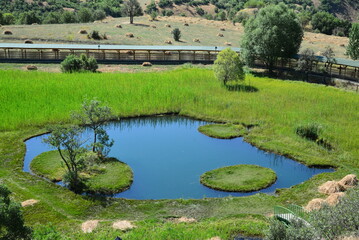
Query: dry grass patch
point(334, 198)
point(331, 187)
point(29, 202)
point(123, 225)
point(314, 204)
point(89, 226)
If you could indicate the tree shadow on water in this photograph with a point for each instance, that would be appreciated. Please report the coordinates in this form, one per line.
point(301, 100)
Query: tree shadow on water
point(241, 88)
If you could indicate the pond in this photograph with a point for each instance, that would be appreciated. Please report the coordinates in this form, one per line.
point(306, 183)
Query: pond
point(167, 155)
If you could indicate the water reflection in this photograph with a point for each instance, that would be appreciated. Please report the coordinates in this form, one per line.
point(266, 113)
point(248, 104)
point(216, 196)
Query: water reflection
point(168, 155)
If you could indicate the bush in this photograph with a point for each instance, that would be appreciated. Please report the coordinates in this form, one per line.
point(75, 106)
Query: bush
point(167, 13)
point(200, 11)
point(99, 15)
point(309, 131)
point(176, 34)
point(73, 63)
point(95, 35)
point(165, 3)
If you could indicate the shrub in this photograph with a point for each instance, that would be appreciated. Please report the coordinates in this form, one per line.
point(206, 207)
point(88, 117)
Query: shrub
point(99, 15)
point(309, 131)
point(73, 63)
point(200, 11)
point(165, 3)
point(95, 35)
point(176, 34)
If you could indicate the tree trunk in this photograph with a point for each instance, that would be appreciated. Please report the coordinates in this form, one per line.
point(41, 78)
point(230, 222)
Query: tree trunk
point(131, 19)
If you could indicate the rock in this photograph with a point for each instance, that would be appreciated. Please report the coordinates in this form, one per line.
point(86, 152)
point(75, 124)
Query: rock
point(315, 204)
point(89, 226)
point(185, 220)
point(31, 67)
point(331, 187)
point(123, 225)
point(7, 32)
point(29, 202)
point(349, 181)
point(146, 64)
point(130, 35)
point(333, 199)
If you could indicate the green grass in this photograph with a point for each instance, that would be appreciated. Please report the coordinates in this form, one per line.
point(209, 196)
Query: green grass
point(223, 131)
point(31, 100)
point(109, 177)
point(239, 178)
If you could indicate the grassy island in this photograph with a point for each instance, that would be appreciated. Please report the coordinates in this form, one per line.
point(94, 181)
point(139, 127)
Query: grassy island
point(239, 178)
point(223, 131)
point(109, 177)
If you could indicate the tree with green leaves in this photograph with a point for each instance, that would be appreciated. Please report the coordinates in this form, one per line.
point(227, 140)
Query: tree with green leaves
point(67, 141)
point(274, 33)
point(12, 225)
point(132, 8)
point(176, 33)
point(306, 61)
point(228, 66)
point(94, 115)
point(353, 46)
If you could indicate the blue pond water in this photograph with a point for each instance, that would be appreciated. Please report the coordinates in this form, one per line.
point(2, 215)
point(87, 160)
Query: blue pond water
point(167, 155)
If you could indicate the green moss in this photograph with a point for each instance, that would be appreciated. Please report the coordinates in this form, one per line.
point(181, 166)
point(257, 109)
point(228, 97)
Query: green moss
point(223, 131)
point(239, 178)
point(110, 177)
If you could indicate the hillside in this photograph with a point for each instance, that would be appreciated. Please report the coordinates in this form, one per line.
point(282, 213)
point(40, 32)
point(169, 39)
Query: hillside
point(148, 32)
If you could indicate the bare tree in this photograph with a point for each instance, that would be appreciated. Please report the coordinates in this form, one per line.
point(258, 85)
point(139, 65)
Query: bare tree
point(306, 61)
point(132, 8)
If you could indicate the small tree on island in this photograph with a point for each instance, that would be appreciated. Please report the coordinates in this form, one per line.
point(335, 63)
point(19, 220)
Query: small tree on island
point(132, 8)
point(228, 66)
point(67, 142)
point(176, 34)
point(353, 46)
point(12, 224)
point(94, 115)
point(274, 33)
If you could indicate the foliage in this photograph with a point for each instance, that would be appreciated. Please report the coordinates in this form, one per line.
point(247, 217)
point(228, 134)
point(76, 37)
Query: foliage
point(85, 15)
point(228, 66)
point(8, 19)
point(254, 4)
point(309, 131)
point(95, 35)
point(353, 46)
point(68, 143)
point(306, 61)
point(12, 225)
point(72, 64)
point(94, 115)
point(152, 7)
point(176, 33)
point(47, 232)
point(165, 3)
point(330, 222)
point(275, 33)
point(167, 13)
point(132, 8)
point(30, 17)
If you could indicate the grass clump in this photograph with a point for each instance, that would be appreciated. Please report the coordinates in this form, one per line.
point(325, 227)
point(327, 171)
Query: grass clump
point(239, 178)
point(312, 132)
point(108, 177)
point(223, 131)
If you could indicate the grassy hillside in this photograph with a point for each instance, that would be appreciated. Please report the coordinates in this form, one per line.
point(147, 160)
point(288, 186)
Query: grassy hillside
point(145, 34)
